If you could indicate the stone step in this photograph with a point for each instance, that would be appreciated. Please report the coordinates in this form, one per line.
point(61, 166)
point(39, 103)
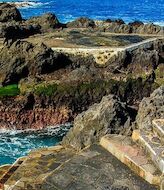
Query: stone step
point(9, 170)
point(153, 146)
point(38, 165)
point(4, 169)
point(158, 127)
point(129, 153)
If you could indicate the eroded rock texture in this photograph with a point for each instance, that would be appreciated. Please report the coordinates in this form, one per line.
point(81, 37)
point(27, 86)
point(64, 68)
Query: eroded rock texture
point(109, 116)
point(151, 108)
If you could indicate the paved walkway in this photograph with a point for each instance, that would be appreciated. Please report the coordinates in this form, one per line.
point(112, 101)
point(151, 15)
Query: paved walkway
point(59, 169)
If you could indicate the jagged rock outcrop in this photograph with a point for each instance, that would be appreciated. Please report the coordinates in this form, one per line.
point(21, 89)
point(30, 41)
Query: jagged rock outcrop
point(149, 29)
point(140, 60)
point(108, 116)
point(151, 108)
point(47, 21)
point(9, 13)
point(23, 58)
point(81, 23)
point(119, 26)
point(115, 27)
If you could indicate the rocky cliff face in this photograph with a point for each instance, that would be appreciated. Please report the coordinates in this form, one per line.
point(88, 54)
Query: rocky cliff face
point(56, 86)
point(151, 108)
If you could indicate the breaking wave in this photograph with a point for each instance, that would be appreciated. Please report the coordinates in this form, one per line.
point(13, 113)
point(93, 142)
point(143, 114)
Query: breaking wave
point(17, 143)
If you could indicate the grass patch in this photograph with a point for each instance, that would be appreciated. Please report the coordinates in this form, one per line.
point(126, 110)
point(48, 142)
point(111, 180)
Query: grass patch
point(10, 90)
point(45, 89)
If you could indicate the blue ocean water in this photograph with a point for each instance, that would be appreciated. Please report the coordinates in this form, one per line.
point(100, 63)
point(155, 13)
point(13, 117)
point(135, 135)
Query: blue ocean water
point(128, 10)
point(15, 144)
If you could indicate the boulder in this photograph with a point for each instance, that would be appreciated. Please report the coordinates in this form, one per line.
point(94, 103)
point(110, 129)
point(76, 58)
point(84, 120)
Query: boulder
point(47, 21)
point(9, 13)
point(81, 23)
point(108, 116)
point(151, 108)
point(23, 58)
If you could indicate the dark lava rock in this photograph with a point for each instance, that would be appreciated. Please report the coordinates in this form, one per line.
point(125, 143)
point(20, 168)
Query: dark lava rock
point(117, 21)
point(47, 21)
point(13, 32)
point(23, 58)
point(81, 23)
point(151, 108)
point(108, 116)
point(9, 13)
point(136, 23)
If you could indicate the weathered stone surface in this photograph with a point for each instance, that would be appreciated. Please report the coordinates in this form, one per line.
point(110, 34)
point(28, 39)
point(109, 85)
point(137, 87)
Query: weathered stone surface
point(149, 29)
point(109, 116)
point(132, 155)
point(91, 169)
point(9, 13)
point(81, 23)
point(47, 21)
point(151, 108)
point(115, 27)
point(23, 58)
point(153, 146)
point(14, 31)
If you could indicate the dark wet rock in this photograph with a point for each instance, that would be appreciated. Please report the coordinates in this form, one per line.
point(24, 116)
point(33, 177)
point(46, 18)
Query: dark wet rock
point(23, 58)
point(151, 108)
point(47, 21)
point(9, 13)
point(108, 116)
point(81, 23)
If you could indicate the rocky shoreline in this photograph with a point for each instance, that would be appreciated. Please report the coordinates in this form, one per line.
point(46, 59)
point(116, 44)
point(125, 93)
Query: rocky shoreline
point(53, 86)
point(105, 77)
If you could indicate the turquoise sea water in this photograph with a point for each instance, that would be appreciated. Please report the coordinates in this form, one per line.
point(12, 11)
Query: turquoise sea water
point(129, 10)
point(14, 144)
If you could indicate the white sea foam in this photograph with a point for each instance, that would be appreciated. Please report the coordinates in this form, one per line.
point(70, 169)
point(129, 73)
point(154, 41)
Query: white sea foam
point(26, 4)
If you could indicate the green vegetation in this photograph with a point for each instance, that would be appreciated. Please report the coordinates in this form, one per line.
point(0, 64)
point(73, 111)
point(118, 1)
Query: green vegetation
point(44, 89)
point(10, 90)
